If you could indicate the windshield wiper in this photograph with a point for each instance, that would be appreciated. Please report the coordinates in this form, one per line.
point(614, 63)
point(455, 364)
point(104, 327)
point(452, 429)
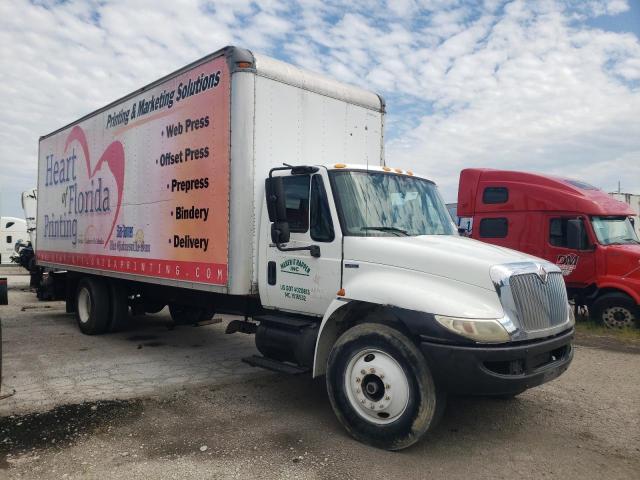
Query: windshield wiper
point(388, 229)
point(623, 241)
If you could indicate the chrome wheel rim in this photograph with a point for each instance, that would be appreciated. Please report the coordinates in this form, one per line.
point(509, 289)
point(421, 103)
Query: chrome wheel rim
point(377, 386)
point(84, 305)
point(617, 317)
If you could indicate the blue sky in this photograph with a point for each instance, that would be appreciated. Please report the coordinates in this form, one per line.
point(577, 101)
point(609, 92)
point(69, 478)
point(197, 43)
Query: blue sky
point(550, 85)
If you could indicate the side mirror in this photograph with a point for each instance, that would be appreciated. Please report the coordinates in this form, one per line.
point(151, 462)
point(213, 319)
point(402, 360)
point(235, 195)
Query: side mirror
point(276, 206)
point(280, 232)
point(575, 234)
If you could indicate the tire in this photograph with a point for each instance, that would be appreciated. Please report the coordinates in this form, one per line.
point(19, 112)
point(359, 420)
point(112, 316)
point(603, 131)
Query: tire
point(392, 364)
point(153, 307)
point(92, 306)
point(119, 307)
point(189, 315)
point(616, 310)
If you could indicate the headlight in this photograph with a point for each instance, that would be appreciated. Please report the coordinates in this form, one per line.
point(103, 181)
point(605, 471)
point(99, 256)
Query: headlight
point(478, 329)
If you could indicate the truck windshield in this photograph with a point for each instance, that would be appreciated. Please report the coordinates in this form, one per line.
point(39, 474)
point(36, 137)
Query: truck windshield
point(614, 230)
point(386, 204)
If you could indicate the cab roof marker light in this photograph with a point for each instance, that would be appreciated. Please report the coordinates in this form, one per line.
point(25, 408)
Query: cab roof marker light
point(341, 292)
point(398, 170)
point(410, 173)
point(339, 165)
point(386, 169)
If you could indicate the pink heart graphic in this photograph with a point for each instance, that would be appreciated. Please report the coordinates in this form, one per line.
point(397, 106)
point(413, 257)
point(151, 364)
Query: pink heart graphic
point(113, 156)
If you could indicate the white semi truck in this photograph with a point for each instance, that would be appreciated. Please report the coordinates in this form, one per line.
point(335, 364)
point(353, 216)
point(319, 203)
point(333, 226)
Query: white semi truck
point(12, 230)
point(243, 185)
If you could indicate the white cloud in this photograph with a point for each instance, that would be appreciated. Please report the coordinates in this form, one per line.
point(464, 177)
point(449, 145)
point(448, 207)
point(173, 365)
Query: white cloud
point(519, 85)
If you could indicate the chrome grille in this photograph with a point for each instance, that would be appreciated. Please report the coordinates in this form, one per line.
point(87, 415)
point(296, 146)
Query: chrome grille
point(539, 305)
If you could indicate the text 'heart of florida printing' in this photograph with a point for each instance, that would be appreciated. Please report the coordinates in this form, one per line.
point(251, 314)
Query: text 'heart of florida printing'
point(86, 191)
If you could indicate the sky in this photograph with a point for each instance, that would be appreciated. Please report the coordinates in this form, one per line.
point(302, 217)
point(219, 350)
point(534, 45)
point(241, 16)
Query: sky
point(548, 86)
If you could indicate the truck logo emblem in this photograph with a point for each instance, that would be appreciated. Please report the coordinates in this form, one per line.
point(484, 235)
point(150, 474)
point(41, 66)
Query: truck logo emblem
point(543, 275)
point(295, 266)
point(567, 263)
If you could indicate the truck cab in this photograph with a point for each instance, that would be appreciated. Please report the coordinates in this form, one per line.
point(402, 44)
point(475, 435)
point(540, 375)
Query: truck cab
point(366, 265)
point(582, 230)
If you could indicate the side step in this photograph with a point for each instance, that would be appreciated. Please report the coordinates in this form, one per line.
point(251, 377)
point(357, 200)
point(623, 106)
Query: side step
point(287, 321)
point(274, 365)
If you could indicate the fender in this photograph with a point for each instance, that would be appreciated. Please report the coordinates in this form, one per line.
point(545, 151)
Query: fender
point(408, 289)
point(625, 287)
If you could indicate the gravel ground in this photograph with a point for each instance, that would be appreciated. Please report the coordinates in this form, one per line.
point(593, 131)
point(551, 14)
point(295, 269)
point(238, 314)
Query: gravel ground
point(257, 424)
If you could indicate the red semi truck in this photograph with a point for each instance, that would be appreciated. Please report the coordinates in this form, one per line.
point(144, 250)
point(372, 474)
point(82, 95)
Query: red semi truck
point(589, 235)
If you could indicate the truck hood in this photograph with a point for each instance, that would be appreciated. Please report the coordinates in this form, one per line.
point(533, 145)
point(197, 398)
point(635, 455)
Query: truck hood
point(449, 256)
point(623, 260)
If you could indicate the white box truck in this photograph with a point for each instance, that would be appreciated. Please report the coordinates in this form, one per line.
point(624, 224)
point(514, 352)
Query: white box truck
point(243, 185)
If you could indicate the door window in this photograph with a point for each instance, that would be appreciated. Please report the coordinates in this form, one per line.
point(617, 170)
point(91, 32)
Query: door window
point(296, 193)
point(321, 224)
point(559, 233)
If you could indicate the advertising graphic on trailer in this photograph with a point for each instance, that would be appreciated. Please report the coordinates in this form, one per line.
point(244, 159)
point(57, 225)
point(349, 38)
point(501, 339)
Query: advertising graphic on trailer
point(143, 187)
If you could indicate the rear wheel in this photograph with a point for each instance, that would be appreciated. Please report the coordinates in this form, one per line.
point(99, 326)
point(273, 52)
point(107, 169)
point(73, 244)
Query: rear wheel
point(616, 310)
point(381, 388)
point(119, 310)
point(92, 306)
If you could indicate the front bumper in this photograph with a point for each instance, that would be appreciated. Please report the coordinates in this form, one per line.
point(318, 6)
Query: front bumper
point(498, 370)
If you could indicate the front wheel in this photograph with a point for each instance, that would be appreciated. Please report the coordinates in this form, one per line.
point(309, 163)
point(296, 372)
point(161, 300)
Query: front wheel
point(616, 310)
point(381, 388)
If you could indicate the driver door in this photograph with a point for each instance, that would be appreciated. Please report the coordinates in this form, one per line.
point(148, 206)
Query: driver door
point(575, 259)
point(296, 281)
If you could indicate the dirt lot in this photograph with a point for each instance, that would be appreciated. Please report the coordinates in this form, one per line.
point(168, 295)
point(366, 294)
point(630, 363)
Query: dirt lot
point(156, 403)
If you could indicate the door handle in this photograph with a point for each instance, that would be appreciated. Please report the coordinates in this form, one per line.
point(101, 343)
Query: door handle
point(271, 273)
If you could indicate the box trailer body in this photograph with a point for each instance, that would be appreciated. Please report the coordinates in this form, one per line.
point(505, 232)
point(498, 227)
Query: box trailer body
point(166, 184)
point(263, 192)
point(12, 230)
point(584, 231)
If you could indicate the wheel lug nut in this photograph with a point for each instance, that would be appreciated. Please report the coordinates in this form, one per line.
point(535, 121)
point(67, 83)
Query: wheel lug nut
point(387, 397)
point(357, 379)
point(358, 391)
point(363, 372)
point(381, 376)
point(387, 386)
point(372, 370)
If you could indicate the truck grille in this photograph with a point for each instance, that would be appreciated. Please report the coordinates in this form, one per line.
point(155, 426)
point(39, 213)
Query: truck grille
point(539, 305)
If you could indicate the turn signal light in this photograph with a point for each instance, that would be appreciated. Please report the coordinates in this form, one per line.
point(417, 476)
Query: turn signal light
point(341, 292)
point(243, 64)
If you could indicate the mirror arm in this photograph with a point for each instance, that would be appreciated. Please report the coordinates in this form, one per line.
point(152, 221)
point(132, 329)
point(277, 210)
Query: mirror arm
point(313, 249)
